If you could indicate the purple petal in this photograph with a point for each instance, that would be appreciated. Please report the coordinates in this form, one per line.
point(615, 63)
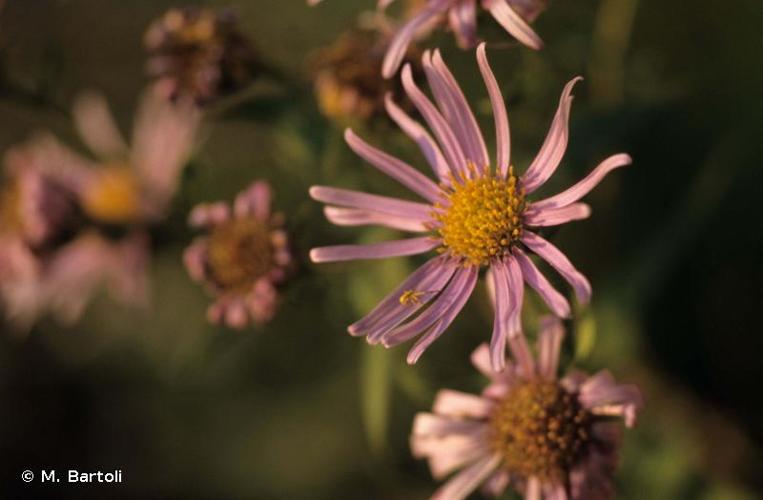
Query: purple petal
point(513, 23)
point(358, 217)
point(428, 338)
point(397, 169)
point(499, 275)
point(463, 21)
point(431, 287)
point(456, 110)
point(555, 300)
point(550, 337)
point(556, 216)
point(602, 395)
point(583, 187)
point(502, 134)
point(522, 356)
point(496, 484)
point(415, 131)
point(431, 425)
point(450, 145)
point(97, 128)
point(401, 40)
point(195, 259)
point(561, 263)
point(468, 480)
point(554, 146)
point(255, 201)
point(397, 248)
point(461, 404)
point(533, 489)
point(383, 204)
point(421, 279)
point(440, 306)
point(209, 214)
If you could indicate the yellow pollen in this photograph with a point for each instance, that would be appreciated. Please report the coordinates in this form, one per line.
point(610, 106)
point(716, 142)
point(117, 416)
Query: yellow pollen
point(411, 297)
point(540, 430)
point(114, 196)
point(483, 219)
point(240, 252)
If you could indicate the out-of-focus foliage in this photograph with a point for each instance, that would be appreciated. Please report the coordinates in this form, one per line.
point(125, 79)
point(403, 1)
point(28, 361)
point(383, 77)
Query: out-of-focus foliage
point(298, 408)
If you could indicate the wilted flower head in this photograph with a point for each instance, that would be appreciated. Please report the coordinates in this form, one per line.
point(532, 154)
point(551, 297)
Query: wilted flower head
point(512, 15)
point(243, 256)
point(346, 74)
point(199, 53)
point(547, 437)
point(476, 217)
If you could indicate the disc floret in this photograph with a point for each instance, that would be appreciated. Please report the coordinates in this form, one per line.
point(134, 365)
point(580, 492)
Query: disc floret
point(240, 252)
point(482, 219)
point(540, 430)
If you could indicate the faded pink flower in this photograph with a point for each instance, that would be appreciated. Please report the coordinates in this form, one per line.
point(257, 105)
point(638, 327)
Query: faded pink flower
point(547, 437)
point(52, 256)
point(199, 53)
point(123, 186)
point(45, 265)
point(475, 217)
point(242, 258)
point(512, 15)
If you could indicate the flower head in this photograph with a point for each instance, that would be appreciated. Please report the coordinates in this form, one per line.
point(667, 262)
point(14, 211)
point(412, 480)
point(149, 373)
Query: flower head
point(347, 84)
point(548, 437)
point(512, 15)
point(123, 186)
point(242, 257)
point(199, 53)
point(476, 217)
point(53, 255)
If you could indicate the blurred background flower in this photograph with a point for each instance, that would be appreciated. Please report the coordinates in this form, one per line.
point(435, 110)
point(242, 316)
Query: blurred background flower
point(189, 409)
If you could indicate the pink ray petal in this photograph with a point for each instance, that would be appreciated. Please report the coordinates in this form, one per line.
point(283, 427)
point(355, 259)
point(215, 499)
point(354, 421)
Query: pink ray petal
point(554, 146)
point(583, 187)
point(383, 204)
point(393, 167)
point(445, 135)
point(420, 136)
point(502, 134)
point(560, 262)
point(555, 300)
point(397, 248)
point(513, 23)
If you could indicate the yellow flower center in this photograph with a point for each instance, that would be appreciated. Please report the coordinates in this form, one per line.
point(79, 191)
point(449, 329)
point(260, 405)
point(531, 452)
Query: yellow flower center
point(114, 196)
point(240, 252)
point(540, 430)
point(11, 218)
point(483, 219)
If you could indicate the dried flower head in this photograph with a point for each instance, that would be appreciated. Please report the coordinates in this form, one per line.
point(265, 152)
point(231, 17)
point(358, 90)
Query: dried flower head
point(346, 74)
point(476, 217)
point(241, 258)
point(199, 53)
point(549, 437)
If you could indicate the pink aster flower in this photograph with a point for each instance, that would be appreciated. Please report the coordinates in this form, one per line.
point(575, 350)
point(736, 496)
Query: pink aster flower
point(242, 258)
point(52, 256)
point(476, 217)
point(547, 437)
point(45, 265)
point(512, 15)
point(123, 185)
